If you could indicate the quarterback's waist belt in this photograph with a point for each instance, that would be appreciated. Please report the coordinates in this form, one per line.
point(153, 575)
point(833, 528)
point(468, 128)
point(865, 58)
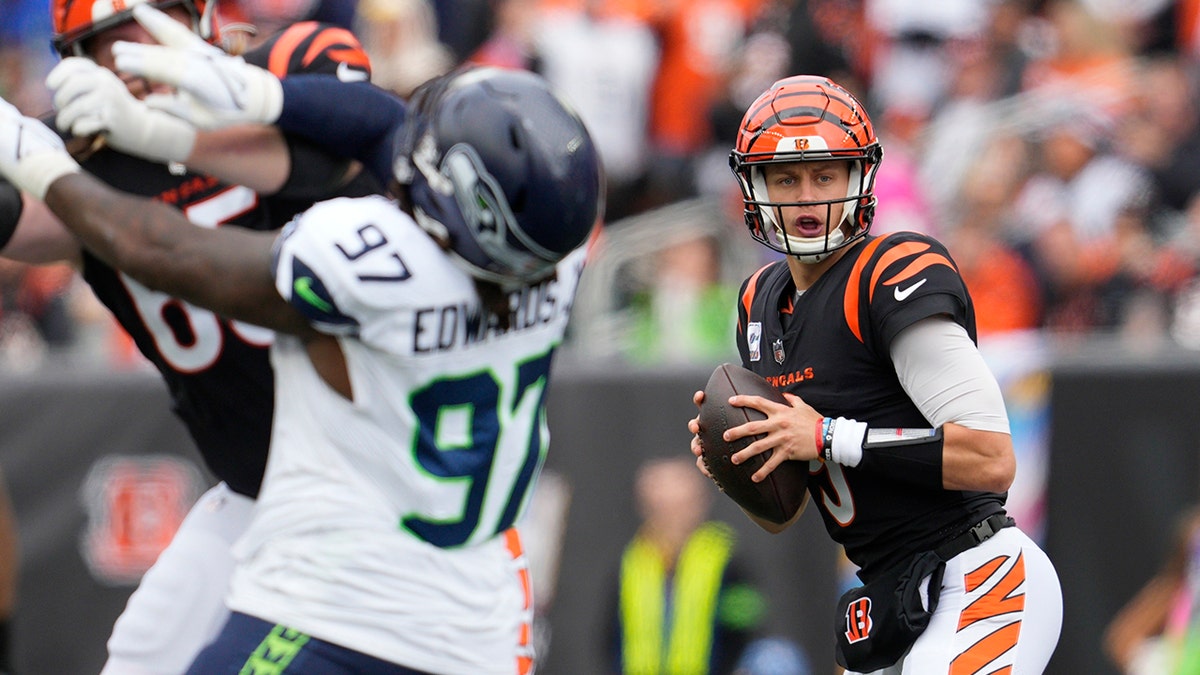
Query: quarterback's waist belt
point(979, 533)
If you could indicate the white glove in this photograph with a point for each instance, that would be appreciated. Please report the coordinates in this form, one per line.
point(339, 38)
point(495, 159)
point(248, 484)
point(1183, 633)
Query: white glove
point(214, 89)
point(91, 99)
point(32, 156)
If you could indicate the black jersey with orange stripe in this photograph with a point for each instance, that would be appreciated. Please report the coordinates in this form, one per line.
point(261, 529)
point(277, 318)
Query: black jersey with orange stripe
point(217, 371)
point(312, 47)
point(831, 346)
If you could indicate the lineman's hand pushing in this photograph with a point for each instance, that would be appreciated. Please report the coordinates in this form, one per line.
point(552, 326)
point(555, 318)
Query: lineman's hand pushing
point(32, 156)
point(214, 89)
point(788, 430)
point(92, 100)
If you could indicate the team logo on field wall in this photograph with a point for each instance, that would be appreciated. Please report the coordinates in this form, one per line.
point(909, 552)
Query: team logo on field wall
point(134, 505)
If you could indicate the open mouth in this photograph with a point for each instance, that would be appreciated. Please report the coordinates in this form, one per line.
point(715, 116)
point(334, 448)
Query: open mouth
point(808, 226)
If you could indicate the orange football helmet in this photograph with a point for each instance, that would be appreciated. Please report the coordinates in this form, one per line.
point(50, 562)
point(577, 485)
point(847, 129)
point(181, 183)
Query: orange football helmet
point(77, 20)
point(806, 118)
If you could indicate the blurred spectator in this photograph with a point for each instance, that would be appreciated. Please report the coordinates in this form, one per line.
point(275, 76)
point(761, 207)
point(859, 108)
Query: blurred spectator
point(35, 313)
point(1002, 283)
point(683, 604)
point(686, 314)
point(1082, 219)
point(761, 60)
point(511, 42)
point(1185, 318)
point(1088, 61)
point(400, 36)
point(698, 39)
point(1162, 131)
point(903, 204)
point(813, 35)
point(786, 37)
point(1003, 43)
point(911, 66)
point(1143, 637)
point(1143, 25)
point(950, 144)
point(602, 58)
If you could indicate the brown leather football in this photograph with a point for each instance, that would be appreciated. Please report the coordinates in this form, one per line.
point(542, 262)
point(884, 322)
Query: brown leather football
point(782, 493)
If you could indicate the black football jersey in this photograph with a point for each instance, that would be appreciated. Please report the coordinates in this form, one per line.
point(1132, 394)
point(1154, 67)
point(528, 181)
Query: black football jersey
point(831, 346)
point(217, 371)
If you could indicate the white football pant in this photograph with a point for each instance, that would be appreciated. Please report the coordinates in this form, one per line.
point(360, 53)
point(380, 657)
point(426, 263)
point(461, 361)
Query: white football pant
point(179, 605)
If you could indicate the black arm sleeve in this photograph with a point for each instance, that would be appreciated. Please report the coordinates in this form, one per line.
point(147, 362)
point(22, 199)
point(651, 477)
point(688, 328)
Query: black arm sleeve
point(315, 174)
point(11, 207)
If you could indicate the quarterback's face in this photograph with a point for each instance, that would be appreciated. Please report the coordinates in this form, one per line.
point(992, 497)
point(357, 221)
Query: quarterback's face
point(99, 48)
point(816, 184)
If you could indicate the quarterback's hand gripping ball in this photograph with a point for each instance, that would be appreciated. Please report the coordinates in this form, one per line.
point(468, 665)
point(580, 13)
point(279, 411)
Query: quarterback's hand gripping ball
point(781, 494)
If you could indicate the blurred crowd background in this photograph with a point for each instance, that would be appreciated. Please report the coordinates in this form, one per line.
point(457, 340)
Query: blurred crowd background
point(1054, 145)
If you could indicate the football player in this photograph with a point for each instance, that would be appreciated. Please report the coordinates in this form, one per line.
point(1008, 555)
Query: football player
point(410, 424)
point(217, 371)
point(890, 403)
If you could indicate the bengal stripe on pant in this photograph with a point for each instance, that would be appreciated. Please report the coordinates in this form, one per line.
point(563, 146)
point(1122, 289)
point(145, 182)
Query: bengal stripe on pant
point(1005, 596)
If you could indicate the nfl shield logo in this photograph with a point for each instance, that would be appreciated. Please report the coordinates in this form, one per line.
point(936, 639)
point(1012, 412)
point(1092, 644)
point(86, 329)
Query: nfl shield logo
point(777, 349)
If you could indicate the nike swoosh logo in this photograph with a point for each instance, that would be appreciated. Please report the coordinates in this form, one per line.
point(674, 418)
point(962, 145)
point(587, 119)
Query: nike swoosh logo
point(347, 73)
point(902, 295)
point(303, 288)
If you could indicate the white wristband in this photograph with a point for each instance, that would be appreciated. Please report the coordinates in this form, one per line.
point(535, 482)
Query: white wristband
point(38, 171)
point(848, 438)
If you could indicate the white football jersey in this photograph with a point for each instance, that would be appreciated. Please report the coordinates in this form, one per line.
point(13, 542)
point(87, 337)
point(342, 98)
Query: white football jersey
point(383, 522)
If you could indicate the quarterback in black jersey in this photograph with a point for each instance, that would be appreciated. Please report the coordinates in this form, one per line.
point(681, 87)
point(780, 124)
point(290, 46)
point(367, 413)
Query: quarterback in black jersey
point(872, 340)
point(217, 371)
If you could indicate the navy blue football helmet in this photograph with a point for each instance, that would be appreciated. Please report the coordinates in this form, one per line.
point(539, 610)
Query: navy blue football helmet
point(494, 163)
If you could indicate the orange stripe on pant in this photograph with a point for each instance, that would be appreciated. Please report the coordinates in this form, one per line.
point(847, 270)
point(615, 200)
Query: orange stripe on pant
point(997, 601)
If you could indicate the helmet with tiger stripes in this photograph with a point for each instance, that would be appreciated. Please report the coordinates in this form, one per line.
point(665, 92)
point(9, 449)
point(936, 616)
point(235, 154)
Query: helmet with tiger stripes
point(806, 118)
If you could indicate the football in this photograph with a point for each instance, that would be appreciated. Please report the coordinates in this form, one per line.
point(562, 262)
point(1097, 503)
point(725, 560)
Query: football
point(783, 492)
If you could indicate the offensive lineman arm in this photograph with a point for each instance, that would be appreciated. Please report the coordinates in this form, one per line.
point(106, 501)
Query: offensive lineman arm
point(218, 90)
point(227, 270)
point(90, 99)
